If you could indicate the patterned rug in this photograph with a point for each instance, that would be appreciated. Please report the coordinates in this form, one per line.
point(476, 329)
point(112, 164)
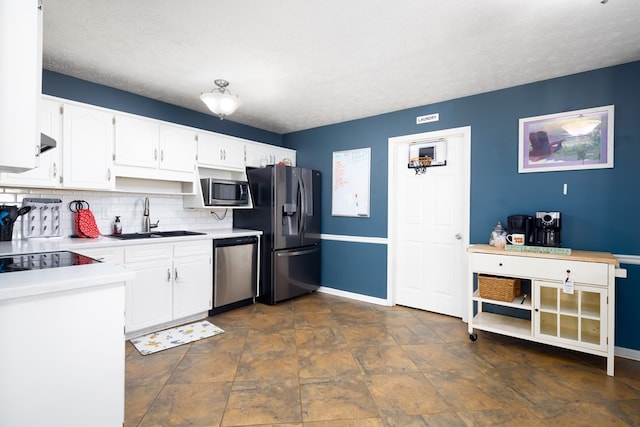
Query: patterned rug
point(169, 338)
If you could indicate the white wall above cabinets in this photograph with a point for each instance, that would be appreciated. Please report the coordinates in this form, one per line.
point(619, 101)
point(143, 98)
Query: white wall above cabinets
point(220, 151)
point(20, 84)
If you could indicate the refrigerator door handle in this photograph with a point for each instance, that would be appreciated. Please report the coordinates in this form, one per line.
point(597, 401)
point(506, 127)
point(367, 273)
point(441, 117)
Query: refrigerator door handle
point(297, 253)
point(302, 216)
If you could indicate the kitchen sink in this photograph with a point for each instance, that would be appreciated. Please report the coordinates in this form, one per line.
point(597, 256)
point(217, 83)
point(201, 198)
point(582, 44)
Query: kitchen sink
point(155, 234)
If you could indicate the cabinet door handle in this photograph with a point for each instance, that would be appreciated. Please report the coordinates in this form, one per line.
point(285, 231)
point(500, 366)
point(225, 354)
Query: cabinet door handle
point(55, 169)
point(162, 155)
point(175, 277)
point(109, 174)
point(500, 264)
point(155, 154)
point(168, 274)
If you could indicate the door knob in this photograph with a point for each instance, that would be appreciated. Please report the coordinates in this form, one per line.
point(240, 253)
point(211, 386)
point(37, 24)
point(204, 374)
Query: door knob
point(458, 236)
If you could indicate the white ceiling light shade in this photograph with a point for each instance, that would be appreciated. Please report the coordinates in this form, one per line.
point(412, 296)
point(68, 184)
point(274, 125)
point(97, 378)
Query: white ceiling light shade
point(220, 101)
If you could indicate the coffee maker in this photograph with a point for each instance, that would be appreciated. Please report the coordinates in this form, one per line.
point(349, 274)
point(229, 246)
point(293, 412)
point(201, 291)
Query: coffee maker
point(521, 224)
point(547, 229)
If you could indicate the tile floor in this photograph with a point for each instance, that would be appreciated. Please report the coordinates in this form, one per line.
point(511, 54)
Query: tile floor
point(321, 361)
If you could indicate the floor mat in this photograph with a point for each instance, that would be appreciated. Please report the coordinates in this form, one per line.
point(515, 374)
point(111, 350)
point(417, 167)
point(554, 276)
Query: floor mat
point(169, 338)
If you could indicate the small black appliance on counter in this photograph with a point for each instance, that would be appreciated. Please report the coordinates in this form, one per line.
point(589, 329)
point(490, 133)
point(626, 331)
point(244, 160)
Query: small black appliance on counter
point(547, 229)
point(521, 224)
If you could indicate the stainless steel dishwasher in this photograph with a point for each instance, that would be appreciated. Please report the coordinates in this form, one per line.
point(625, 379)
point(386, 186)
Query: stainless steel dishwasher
point(235, 272)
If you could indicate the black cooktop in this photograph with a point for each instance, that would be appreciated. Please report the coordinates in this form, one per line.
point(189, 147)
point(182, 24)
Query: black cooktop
point(41, 261)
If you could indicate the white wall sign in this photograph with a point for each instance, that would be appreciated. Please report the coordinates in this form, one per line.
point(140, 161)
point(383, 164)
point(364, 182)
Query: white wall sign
point(428, 118)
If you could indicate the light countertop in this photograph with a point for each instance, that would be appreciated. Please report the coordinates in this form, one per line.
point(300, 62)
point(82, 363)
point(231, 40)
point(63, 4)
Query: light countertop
point(51, 280)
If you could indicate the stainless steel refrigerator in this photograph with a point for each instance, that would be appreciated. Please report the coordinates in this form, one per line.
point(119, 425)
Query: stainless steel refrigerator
point(286, 207)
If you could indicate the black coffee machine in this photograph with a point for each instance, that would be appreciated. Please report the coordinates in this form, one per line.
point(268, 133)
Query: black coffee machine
point(547, 229)
point(522, 224)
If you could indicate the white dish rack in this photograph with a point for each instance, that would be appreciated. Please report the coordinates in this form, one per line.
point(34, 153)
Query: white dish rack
point(44, 218)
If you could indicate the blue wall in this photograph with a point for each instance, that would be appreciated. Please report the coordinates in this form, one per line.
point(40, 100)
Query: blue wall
point(62, 86)
point(596, 213)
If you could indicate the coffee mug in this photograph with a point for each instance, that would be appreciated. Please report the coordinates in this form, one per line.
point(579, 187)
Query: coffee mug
point(515, 239)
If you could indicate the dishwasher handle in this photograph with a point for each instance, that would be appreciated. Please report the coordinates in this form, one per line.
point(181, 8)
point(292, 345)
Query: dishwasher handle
point(234, 241)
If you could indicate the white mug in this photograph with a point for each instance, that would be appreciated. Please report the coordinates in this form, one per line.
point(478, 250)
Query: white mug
point(516, 239)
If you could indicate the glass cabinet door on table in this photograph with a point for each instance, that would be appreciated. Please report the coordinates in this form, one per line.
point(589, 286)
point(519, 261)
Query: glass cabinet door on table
point(578, 317)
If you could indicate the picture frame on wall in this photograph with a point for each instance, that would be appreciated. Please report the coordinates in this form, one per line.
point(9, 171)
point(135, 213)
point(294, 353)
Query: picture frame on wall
point(572, 140)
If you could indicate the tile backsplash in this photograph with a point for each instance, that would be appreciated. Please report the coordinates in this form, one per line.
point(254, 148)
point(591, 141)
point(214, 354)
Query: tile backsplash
point(128, 206)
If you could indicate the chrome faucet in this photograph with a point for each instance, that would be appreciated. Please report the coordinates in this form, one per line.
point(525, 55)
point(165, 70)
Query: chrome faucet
point(146, 222)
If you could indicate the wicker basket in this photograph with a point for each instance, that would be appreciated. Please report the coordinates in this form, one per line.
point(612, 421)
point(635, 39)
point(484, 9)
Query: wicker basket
point(498, 288)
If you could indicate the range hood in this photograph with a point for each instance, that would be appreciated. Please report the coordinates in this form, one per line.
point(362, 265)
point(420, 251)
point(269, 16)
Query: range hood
point(46, 143)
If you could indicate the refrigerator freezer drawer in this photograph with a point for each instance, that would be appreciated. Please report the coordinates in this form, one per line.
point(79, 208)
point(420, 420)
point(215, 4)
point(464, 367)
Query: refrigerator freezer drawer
point(296, 272)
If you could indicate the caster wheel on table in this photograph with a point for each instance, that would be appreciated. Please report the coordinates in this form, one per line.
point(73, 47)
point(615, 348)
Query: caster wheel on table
point(473, 337)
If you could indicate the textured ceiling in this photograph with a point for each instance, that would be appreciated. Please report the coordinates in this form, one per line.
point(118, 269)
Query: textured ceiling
point(299, 64)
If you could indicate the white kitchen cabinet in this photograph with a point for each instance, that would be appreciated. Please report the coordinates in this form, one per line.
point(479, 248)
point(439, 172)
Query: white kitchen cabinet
point(193, 277)
point(88, 135)
point(220, 151)
point(173, 284)
point(63, 357)
point(583, 320)
point(137, 141)
point(178, 149)
point(260, 155)
point(47, 174)
point(21, 84)
point(150, 149)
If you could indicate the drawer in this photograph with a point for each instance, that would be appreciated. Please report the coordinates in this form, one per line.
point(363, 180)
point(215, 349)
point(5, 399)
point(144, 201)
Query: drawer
point(141, 253)
point(195, 247)
point(110, 255)
point(541, 268)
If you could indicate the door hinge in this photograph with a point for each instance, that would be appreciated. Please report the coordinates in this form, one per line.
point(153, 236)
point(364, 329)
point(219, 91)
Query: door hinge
point(113, 120)
point(62, 109)
point(113, 157)
point(61, 179)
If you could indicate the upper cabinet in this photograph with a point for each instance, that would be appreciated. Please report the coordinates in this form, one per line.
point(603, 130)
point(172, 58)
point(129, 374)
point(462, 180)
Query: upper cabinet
point(87, 140)
point(260, 155)
point(218, 151)
point(48, 173)
point(20, 84)
point(178, 148)
point(149, 149)
point(102, 149)
point(137, 142)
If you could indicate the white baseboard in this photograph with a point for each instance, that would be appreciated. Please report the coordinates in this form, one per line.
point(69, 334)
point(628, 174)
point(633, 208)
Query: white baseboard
point(353, 296)
point(627, 353)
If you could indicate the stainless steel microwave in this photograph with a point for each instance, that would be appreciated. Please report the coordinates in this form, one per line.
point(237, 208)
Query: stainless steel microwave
point(223, 192)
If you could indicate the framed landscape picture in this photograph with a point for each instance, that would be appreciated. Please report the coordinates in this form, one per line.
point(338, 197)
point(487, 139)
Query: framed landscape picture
point(581, 139)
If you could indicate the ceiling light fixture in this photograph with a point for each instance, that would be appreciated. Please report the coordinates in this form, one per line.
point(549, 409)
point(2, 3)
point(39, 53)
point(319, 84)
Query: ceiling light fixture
point(220, 101)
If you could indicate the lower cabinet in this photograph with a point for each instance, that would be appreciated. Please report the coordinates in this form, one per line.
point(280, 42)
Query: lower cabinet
point(566, 301)
point(578, 318)
point(173, 281)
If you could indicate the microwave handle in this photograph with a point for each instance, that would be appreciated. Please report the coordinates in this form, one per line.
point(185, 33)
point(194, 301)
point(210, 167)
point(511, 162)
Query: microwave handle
point(243, 192)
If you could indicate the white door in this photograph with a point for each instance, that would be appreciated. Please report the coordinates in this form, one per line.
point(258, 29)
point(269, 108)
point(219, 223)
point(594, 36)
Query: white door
point(429, 225)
